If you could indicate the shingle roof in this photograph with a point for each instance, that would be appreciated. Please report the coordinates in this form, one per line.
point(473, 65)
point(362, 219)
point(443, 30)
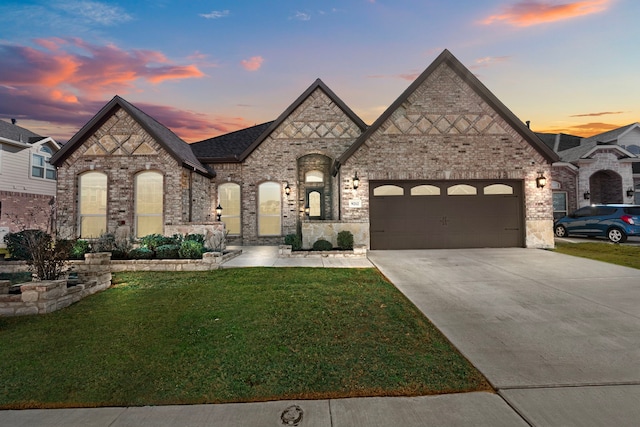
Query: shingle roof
point(611, 135)
point(175, 146)
point(464, 73)
point(563, 140)
point(588, 144)
point(17, 133)
point(227, 147)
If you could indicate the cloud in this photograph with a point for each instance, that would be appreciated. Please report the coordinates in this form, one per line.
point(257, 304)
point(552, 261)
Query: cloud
point(252, 64)
point(605, 113)
point(488, 61)
point(584, 130)
point(64, 82)
point(301, 16)
point(533, 12)
point(100, 13)
point(215, 14)
point(83, 68)
point(411, 76)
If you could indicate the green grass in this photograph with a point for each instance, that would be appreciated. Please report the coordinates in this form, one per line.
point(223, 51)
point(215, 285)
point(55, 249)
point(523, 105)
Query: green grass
point(628, 256)
point(232, 335)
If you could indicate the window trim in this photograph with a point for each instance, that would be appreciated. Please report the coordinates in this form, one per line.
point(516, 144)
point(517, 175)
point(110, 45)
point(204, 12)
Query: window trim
point(106, 208)
point(566, 204)
point(45, 154)
point(136, 215)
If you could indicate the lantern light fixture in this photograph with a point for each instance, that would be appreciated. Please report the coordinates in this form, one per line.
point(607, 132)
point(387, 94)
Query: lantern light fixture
point(630, 192)
point(356, 181)
point(287, 190)
point(541, 180)
point(587, 195)
point(218, 212)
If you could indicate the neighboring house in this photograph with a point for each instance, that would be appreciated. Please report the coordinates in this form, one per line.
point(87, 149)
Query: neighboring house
point(603, 168)
point(27, 179)
point(446, 165)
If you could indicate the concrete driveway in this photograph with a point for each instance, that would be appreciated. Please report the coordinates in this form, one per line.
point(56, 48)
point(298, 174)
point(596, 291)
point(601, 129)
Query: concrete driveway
point(557, 335)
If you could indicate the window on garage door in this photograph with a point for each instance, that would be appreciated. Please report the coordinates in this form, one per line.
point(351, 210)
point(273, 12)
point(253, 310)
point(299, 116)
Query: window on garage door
point(388, 190)
point(497, 189)
point(462, 190)
point(425, 190)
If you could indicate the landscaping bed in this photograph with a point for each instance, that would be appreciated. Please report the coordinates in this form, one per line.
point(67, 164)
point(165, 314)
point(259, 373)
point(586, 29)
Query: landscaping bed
point(232, 335)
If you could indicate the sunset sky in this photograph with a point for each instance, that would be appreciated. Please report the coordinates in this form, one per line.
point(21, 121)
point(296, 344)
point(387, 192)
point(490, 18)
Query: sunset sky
point(207, 67)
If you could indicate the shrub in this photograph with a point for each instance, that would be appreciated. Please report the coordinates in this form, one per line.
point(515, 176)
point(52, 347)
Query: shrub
point(18, 244)
point(105, 243)
point(345, 240)
point(152, 241)
point(191, 249)
point(322, 245)
point(141, 253)
point(79, 248)
point(195, 238)
point(167, 252)
point(294, 240)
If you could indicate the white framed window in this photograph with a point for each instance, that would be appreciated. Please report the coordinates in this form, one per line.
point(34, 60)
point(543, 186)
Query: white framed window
point(425, 190)
point(314, 176)
point(229, 200)
point(148, 203)
point(40, 166)
point(388, 190)
point(92, 204)
point(462, 190)
point(269, 209)
point(497, 189)
point(559, 204)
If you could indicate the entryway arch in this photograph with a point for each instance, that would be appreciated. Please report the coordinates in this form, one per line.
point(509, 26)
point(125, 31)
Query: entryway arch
point(605, 186)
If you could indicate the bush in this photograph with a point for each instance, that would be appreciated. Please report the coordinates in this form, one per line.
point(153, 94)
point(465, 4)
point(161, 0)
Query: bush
point(167, 252)
point(195, 238)
point(141, 253)
point(152, 241)
point(322, 245)
point(294, 240)
point(345, 240)
point(79, 248)
point(191, 249)
point(105, 243)
point(18, 244)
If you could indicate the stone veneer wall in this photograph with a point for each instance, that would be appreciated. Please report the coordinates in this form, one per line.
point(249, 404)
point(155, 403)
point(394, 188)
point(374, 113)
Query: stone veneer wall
point(604, 160)
point(121, 148)
point(317, 126)
point(328, 230)
point(94, 275)
point(446, 131)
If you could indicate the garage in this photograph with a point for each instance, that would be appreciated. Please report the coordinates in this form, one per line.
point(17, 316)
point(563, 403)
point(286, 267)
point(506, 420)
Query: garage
point(446, 214)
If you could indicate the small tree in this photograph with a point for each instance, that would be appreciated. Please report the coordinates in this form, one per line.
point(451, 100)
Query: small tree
point(46, 256)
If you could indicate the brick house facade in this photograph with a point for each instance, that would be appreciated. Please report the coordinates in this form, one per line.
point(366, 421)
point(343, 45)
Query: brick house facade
point(603, 168)
point(446, 142)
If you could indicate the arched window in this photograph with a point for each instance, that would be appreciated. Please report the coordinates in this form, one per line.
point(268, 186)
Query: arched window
point(462, 190)
point(269, 209)
point(496, 189)
point(425, 190)
point(148, 203)
point(229, 200)
point(388, 190)
point(92, 204)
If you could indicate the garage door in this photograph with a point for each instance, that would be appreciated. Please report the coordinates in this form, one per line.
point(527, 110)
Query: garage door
point(446, 214)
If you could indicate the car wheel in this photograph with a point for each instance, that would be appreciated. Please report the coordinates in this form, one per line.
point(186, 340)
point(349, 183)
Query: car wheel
point(616, 235)
point(561, 231)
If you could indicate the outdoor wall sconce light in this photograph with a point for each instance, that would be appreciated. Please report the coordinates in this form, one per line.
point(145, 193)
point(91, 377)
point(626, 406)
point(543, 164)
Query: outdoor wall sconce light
point(587, 195)
point(356, 181)
point(287, 190)
point(541, 181)
point(630, 192)
point(307, 210)
point(218, 212)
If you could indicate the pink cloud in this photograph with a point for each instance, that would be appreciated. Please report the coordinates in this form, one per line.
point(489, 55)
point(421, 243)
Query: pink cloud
point(252, 64)
point(533, 12)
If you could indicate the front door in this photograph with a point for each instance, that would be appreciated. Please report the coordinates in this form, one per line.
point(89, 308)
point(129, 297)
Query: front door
point(315, 197)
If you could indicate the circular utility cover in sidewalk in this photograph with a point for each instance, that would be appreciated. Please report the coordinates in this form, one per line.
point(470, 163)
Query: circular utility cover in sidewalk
point(292, 416)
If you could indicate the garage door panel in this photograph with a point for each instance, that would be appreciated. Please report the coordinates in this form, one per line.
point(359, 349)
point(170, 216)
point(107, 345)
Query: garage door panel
point(447, 221)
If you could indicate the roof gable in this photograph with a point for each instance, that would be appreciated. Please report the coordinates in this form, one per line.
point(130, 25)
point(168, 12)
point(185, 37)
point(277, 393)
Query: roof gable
point(175, 146)
point(317, 85)
point(472, 81)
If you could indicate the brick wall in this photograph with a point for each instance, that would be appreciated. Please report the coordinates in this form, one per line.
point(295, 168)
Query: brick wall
point(317, 126)
point(445, 131)
point(121, 148)
point(20, 211)
point(567, 178)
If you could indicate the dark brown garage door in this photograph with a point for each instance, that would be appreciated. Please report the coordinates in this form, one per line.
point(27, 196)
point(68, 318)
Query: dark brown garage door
point(446, 214)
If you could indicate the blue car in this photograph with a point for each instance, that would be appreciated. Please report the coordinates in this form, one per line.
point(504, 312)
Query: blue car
point(616, 222)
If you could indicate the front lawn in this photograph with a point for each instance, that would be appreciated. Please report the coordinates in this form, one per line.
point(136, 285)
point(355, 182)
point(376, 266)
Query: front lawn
point(628, 256)
point(231, 335)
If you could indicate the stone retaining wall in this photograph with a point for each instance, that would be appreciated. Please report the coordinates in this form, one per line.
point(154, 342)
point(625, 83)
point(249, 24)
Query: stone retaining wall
point(285, 251)
point(209, 261)
point(94, 275)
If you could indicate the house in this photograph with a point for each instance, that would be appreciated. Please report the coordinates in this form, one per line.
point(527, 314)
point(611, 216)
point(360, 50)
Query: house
point(447, 165)
point(27, 179)
point(603, 168)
